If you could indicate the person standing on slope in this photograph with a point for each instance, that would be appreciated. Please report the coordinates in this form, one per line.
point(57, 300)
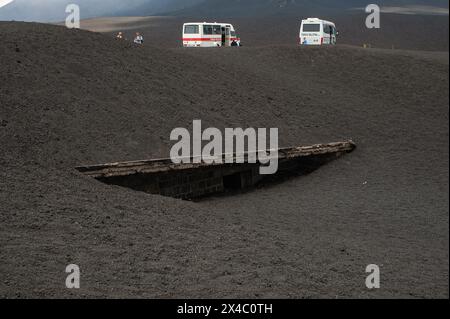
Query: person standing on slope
point(139, 39)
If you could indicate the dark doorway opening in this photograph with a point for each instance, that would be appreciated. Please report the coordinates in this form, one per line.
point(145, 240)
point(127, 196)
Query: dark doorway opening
point(223, 37)
point(232, 182)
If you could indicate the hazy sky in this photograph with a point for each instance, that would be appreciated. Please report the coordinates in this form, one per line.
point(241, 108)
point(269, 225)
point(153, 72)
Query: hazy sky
point(54, 10)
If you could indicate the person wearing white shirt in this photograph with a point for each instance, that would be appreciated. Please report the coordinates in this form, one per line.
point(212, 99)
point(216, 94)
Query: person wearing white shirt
point(139, 39)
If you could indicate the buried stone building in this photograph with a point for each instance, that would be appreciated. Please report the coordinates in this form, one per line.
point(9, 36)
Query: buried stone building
point(192, 181)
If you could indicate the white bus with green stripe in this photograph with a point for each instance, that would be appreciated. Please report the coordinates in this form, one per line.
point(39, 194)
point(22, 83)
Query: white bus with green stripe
point(314, 31)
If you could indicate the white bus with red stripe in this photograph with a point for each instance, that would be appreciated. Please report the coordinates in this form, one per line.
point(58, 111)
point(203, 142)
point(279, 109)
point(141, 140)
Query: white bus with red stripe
point(314, 31)
point(207, 34)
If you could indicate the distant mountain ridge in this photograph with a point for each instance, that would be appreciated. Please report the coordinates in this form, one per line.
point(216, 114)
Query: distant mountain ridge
point(54, 10)
point(239, 8)
point(160, 7)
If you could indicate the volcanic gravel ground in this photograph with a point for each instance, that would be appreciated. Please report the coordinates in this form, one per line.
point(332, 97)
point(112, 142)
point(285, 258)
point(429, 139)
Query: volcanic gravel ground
point(398, 31)
point(69, 98)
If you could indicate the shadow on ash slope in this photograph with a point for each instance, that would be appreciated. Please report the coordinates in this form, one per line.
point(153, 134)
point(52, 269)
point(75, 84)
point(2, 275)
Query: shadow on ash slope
point(72, 97)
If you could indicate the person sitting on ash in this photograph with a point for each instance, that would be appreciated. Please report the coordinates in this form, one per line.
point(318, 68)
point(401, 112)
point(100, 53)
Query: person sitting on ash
point(119, 36)
point(139, 39)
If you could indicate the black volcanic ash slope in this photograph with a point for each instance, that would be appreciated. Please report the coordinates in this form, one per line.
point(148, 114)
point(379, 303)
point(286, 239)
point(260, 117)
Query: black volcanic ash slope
point(74, 97)
point(66, 88)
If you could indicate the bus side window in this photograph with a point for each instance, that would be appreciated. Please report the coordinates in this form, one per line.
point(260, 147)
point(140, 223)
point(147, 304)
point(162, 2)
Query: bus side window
point(208, 29)
point(217, 29)
point(191, 29)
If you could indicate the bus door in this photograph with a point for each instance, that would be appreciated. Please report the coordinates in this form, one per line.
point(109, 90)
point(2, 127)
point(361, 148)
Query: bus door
point(224, 36)
point(329, 34)
point(228, 36)
point(334, 37)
